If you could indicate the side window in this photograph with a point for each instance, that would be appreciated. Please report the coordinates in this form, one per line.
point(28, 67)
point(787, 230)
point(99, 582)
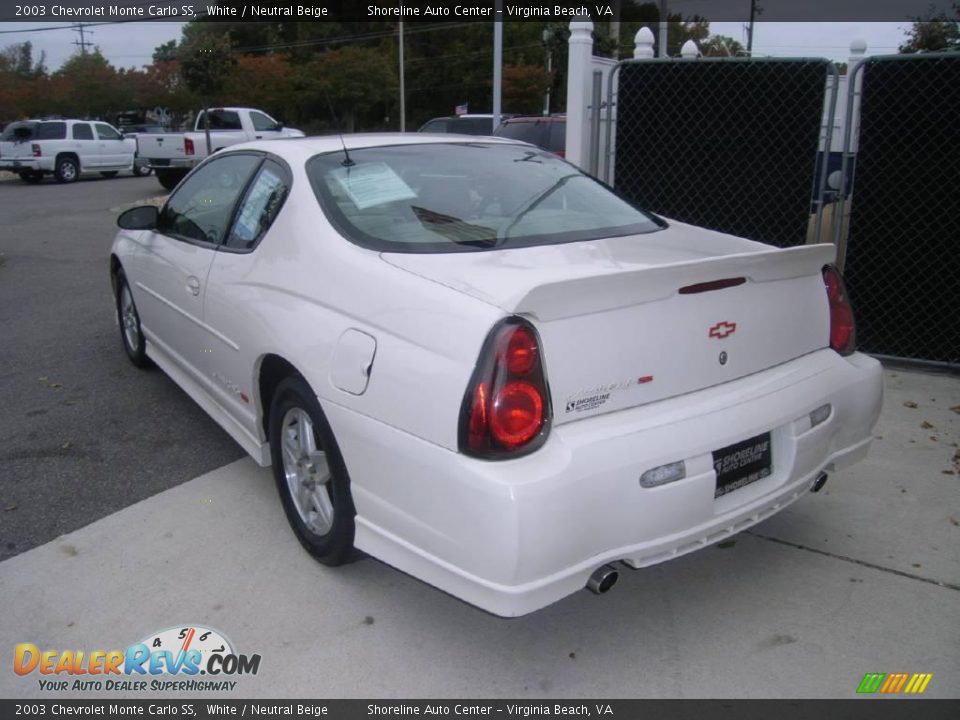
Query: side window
point(260, 206)
point(82, 131)
point(221, 120)
point(203, 203)
point(105, 132)
point(51, 131)
point(263, 123)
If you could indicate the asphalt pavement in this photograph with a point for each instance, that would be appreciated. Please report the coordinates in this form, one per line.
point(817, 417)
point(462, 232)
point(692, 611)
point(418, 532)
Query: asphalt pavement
point(82, 432)
point(142, 515)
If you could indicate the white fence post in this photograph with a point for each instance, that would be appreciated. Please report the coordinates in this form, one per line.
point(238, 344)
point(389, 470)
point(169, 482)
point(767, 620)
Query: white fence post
point(689, 50)
point(643, 44)
point(579, 80)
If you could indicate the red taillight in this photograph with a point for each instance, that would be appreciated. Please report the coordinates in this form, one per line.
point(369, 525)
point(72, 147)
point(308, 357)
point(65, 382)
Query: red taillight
point(187, 146)
point(36, 149)
point(506, 410)
point(843, 331)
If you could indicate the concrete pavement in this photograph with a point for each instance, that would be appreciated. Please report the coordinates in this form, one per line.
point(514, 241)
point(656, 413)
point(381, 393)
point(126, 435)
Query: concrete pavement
point(864, 577)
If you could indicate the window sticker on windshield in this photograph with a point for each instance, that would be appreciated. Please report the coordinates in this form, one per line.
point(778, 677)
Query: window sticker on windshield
point(372, 184)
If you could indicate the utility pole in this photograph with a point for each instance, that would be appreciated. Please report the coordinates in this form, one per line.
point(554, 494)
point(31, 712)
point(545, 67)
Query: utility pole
point(82, 42)
point(403, 93)
point(753, 17)
point(662, 49)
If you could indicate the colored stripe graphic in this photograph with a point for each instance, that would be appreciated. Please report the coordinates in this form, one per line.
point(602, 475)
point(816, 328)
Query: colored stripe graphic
point(893, 683)
point(871, 682)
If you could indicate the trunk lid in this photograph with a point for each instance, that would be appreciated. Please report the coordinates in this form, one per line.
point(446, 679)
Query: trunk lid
point(617, 331)
point(159, 146)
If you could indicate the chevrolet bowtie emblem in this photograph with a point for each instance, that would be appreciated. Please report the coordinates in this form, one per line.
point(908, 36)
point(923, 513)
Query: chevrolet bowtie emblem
point(722, 329)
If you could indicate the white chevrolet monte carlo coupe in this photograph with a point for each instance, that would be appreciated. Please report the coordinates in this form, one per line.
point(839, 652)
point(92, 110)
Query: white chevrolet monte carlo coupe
point(474, 362)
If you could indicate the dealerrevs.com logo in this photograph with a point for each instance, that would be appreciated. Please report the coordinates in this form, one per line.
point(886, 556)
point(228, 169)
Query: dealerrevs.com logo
point(170, 660)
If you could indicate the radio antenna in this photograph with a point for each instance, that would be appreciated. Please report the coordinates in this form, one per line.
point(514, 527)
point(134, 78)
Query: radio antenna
point(347, 162)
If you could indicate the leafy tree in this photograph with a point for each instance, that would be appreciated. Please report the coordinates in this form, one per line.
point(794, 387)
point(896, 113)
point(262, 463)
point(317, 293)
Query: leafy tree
point(935, 33)
point(354, 79)
point(266, 81)
point(721, 46)
point(206, 61)
point(88, 86)
point(524, 87)
point(166, 52)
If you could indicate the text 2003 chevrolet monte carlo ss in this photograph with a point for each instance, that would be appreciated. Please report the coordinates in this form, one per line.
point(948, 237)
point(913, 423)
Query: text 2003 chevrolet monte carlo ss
point(474, 362)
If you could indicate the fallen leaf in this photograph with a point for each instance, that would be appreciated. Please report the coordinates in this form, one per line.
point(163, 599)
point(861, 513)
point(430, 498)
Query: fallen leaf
point(53, 385)
point(10, 508)
point(903, 490)
point(909, 404)
point(935, 438)
point(926, 426)
point(948, 472)
point(726, 544)
point(65, 445)
point(916, 565)
point(955, 522)
point(956, 409)
point(42, 378)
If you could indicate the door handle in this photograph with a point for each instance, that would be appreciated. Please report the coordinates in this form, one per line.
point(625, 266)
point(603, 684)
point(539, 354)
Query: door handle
point(259, 137)
point(193, 285)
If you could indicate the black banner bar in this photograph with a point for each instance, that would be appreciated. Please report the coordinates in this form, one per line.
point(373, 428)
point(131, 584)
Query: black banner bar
point(857, 709)
point(541, 11)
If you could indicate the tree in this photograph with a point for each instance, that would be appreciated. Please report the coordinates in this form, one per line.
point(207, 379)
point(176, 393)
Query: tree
point(166, 52)
point(267, 81)
point(354, 79)
point(88, 86)
point(934, 34)
point(205, 63)
point(524, 87)
point(721, 46)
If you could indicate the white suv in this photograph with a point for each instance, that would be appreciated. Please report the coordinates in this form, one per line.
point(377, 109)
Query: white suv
point(65, 149)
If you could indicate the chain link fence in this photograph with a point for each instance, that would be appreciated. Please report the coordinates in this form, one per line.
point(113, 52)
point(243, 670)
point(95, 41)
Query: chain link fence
point(901, 237)
point(726, 143)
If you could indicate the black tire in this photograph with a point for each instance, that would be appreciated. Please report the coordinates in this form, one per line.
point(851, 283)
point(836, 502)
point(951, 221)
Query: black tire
point(335, 546)
point(141, 170)
point(170, 178)
point(67, 170)
point(135, 347)
point(31, 177)
point(110, 173)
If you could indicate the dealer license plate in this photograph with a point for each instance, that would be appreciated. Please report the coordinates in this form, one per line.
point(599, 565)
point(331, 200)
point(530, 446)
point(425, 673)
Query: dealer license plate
point(742, 463)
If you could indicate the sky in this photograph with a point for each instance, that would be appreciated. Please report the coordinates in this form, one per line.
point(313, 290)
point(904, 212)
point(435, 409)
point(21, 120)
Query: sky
point(131, 44)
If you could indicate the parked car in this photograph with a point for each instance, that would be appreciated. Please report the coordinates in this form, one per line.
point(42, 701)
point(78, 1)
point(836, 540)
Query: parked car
point(65, 149)
point(476, 124)
point(545, 131)
point(171, 155)
point(473, 361)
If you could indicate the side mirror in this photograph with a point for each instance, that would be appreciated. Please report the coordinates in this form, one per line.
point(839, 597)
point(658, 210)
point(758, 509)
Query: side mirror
point(142, 217)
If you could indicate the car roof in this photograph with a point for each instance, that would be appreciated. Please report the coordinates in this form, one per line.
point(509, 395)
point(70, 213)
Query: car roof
point(300, 149)
point(536, 118)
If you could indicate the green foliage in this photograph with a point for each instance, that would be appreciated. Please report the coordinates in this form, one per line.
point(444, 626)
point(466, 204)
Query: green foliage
point(206, 61)
point(721, 46)
point(936, 33)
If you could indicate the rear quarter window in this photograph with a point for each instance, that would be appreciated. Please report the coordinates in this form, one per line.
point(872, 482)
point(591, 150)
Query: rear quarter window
point(50, 131)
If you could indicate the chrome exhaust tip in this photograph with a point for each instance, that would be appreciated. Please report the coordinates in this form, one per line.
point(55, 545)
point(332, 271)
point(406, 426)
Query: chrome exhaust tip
point(819, 482)
point(603, 579)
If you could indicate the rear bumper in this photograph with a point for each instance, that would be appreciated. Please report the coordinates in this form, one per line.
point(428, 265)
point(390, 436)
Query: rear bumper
point(170, 163)
point(512, 537)
point(19, 165)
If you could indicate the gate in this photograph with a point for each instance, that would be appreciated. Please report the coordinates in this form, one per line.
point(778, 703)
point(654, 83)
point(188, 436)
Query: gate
point(902, 250)
point(726, 143)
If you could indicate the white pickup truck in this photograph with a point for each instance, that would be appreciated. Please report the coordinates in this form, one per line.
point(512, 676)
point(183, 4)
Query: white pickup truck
point(172, 155)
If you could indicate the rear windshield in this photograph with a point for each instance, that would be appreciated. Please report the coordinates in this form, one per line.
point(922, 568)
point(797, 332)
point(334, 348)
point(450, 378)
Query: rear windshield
point(18, 131)
point(546, 134)
point(444, 197)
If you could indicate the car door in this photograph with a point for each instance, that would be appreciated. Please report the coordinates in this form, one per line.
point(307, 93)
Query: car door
point(233, 303)
point(86, 146)
point(114, 152)
point(264, 126)
point(174, 259)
